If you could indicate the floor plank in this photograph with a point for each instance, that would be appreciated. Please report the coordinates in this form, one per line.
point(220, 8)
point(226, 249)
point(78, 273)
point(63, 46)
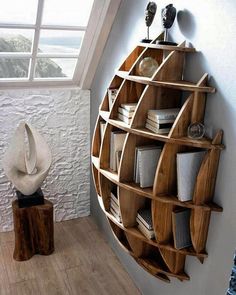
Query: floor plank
point(83, 263)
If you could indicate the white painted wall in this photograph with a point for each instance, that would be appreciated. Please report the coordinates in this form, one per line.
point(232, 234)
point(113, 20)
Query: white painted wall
point(62, 117)
point(211, 27)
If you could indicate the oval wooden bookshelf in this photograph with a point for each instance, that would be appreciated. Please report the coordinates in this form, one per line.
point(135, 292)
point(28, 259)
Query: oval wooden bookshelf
point(165, 89)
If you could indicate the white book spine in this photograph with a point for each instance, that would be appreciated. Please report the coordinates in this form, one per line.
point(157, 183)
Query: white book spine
point(155, 130)
point(129, 106)
point(126, 113)
point(124, 119)
point(160, 121)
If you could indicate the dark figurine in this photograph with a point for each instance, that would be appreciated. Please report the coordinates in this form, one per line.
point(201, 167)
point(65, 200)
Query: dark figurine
point(149, 17)
point(168, 17)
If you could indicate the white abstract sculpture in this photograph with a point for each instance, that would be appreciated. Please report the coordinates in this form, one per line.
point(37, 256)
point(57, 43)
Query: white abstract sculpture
point(26, 167)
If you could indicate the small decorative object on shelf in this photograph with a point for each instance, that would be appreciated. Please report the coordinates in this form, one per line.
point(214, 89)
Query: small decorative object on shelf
point(196, 130)
point(147, 66)
point(149, 17)
point(168, 18)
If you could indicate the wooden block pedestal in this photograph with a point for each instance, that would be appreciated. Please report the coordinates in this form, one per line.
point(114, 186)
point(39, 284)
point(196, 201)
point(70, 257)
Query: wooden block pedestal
point(34, 233)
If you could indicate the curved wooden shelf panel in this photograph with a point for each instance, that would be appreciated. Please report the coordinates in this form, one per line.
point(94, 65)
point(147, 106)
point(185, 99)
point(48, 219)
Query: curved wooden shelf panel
point(148, 192)
point(180, 84)
point(204, 143)
point(164, 89)
point(167, 47)
point(136, 233)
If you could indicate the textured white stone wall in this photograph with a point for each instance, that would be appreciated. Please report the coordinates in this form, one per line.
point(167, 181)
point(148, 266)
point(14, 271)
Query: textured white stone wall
point(62, 116)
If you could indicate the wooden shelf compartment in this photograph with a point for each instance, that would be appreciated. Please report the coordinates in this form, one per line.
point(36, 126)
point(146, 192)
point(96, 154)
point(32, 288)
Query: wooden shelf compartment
point(205, 143)
point(105, 147)
point(159, 270)
point(136, 233)
point(148, 193)
point(97, 139)
point(95, 179)
point(116, 83)
point(155, 98)
point(126, 172)
point(130, 92)
point(148, 52)
point(180, 84)
point(132, 58)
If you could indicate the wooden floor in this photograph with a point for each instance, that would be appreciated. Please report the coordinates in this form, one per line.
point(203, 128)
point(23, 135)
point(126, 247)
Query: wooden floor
point(82, 263)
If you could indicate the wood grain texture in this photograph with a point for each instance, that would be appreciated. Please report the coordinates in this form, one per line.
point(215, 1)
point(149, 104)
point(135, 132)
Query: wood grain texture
point(162, 224)
point(180, 84)
point(139, 248)
point(34, 232)
point(183, 120)
point(105, 186)
point(132, 58)
point(199, 102)
point(203, 193)
point(130, 203)
point(163, 90)
point(115, 83)
point(81, 256)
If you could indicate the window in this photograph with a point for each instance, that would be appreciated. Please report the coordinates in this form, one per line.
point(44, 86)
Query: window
point(40, 40)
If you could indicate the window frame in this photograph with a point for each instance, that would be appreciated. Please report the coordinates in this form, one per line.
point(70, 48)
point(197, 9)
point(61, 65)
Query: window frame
point(101, 9)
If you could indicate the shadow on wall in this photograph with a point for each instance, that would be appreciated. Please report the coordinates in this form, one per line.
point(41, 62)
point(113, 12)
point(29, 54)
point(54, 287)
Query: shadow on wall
point(186, 22)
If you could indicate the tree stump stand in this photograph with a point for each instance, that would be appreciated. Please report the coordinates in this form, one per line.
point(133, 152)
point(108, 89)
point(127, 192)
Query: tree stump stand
point(34, 232)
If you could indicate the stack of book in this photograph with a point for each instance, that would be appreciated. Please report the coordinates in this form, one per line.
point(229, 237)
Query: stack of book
point(144, 220)
point(188, 165)
point(126, 112)
point(116, 146)
point(112, 93)
point(114, 206)
point(145, 164)
point(161, 121)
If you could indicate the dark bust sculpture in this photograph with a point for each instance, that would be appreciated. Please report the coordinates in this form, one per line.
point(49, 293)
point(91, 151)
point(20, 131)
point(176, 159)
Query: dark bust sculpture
point(149, 17)
point(168, 17)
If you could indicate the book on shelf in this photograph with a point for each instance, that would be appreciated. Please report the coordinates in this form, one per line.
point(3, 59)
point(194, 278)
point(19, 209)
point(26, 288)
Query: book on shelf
point(114, 199)
point(163, 114)
point(117, 217)
point(129, 106)
point(102, 128)
point(116, 144)
point(126, 113)
point(188, 165)
point(146, 232)
point(159, 125)
point(145, 217)
point(112, 92)
point(145, 163)
point(159, 121)
point(115, 207)
point(124, 118)
point(114, 195)
point(157, 130)
point(181, 228)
